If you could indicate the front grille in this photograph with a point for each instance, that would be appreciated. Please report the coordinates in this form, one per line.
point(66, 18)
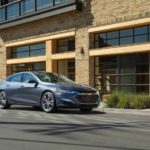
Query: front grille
point(87, 98)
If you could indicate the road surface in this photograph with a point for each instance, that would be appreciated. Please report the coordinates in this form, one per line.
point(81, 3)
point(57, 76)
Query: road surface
point(23, 128)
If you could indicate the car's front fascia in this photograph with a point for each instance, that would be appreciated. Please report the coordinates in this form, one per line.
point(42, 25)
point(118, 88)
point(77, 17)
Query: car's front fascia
point(75, 99)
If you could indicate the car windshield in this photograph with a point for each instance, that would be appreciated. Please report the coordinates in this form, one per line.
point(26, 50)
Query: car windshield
point(53, 78)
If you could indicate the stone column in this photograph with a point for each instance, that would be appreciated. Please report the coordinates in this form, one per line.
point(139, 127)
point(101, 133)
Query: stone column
point(2, 60)
point(82, 56)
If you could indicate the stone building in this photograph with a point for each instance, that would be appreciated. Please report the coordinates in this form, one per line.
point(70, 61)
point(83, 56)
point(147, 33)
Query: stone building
point(102, 43)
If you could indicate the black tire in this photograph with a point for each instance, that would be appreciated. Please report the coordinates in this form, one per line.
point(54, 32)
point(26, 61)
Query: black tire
point(86, 110)
point(48, 103)
point(3, 100)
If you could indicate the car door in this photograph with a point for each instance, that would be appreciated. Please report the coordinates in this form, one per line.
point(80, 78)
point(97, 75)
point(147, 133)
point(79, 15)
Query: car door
point(13, 85)
point(30, 92)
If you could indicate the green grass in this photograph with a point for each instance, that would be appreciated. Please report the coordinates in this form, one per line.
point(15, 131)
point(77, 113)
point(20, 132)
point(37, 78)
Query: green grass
point(128, 100)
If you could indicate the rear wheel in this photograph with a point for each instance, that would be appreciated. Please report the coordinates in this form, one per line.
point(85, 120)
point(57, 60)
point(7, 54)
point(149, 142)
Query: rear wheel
point(48, 103)
point(3, 100)
point(86, 110)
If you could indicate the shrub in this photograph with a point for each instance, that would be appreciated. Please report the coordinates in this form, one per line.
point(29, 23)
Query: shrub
point(113, 99)
point(128, 100)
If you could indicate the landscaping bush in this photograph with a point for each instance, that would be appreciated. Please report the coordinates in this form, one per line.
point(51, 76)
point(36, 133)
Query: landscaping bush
point(128, 100)
point(113, 99)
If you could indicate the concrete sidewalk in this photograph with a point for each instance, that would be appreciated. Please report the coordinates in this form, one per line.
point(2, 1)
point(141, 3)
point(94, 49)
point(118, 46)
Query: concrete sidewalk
point(104, 109)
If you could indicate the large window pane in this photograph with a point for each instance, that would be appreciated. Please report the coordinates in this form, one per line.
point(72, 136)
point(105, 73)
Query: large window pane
point(130, 73)
point(124, 36)
point(113, 42)
point(44, 3)
point(126, 32)
point(28, 50)
point(114, 34)
point(67, 68)
point(37, 46)
point(140, 30)
point(141, 38)
point(28, 6)
point(13, 11)
point(2, 14)
point(37, 52)
point(65, 45)
point(126, 40)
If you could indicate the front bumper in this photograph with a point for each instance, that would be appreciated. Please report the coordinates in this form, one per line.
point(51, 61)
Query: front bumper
point(78, 100)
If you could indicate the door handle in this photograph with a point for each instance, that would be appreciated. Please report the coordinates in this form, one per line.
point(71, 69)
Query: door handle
point(22, 86)
point(8, 85)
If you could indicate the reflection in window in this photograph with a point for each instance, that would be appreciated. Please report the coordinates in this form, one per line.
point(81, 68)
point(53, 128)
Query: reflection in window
point(13, 11)
point(28, 50)
point(125, 72)
point(122, 37)
point(44, 3)
point(28, 6)
point(65, 45)
point(67, 68)
point(39, 66)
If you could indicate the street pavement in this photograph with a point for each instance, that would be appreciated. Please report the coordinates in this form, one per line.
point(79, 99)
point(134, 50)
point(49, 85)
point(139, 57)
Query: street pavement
point(23, 128)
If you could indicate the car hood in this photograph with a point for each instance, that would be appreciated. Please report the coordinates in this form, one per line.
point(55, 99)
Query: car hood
point(76, 88)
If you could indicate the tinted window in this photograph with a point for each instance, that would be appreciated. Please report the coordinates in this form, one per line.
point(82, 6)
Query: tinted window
point(114, 34)
point(126, 32)
point(126, 40)
point(28, 50)
point(65, 45)
point(15, 78)
point(122, 37)
point(27, 77)
point(140, 30)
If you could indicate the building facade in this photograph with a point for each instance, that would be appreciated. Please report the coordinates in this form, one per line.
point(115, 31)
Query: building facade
point(102, 43)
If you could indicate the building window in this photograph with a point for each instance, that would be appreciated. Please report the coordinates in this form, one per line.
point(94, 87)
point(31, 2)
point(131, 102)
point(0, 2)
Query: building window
point(28, 51)
point(28, 6)
point(125, 72)
point(12, 9)
point(41, 4)
point(65, 45)
point(39, 66)
point(122, 37)
point(67, 68)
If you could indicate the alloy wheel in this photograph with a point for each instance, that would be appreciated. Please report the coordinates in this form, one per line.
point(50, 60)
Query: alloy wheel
point(3, 100)
point(48, 102)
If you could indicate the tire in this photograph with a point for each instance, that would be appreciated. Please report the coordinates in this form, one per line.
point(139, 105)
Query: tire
point(86, 110)
point(48, 103)
point(3, 100)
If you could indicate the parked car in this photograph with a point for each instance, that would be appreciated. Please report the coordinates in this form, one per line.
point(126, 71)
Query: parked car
point(48, 91)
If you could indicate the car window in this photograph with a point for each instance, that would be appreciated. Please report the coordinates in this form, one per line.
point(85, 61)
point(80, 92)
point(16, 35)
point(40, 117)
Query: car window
point(27, 77)
point(15, 78)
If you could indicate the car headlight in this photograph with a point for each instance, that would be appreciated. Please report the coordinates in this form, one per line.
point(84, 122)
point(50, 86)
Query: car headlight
point(98, 92)
point(64, 91)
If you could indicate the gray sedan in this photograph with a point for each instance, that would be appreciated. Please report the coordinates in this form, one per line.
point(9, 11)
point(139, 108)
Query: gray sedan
point(48, 91)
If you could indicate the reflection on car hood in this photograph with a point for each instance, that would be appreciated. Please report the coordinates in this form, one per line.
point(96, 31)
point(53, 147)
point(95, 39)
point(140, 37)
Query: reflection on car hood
point(77, 88)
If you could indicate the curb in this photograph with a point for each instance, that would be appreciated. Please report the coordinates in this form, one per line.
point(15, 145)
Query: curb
point(124, 111)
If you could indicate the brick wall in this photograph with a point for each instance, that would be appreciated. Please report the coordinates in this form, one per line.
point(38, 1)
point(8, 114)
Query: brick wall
point(95, 13)
point(2, 60)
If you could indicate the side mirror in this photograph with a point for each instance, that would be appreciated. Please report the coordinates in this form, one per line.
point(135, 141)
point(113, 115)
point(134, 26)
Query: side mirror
point(34, 82)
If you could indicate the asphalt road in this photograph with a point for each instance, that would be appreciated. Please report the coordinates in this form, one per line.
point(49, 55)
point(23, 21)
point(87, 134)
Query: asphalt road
point(28, 129)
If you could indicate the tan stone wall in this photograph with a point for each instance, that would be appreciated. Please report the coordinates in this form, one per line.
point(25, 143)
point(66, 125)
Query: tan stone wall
point(114, 11)
point(82, 56)
point(95, 13)
point(2, 60)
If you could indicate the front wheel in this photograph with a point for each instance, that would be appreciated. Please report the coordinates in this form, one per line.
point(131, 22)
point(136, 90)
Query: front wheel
point(48, 103)
point(3, 100)
point(85, 110)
